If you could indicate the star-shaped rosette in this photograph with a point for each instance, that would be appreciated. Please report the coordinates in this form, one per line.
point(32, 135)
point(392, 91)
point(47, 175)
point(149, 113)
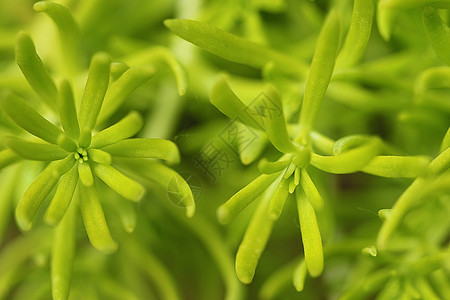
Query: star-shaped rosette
point(78, 155)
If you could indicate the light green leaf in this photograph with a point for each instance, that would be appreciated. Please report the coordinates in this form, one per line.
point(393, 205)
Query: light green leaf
point(99, 156)
point(268, 167)
point(440, 164)
point(312, 242)
point(322, 66)
point(120, 89)
point(34, 70)
point(85, 173)
point(63, 254)
point(63, 197)
point(126, 211)
point(125, 128)
point(179, 192)
point(94, 220)
point(8, 157)
point(432, 78)
point(299, 276)
point(120, 183)
point(438, 33)
point(145, 148)
point(27, 118)
point(67, 111)
point(397, 166)
point(279, 199)
point(231, 47)
point(230, 209)
point(39, 190)
point(445, 141)
point(35, 151)
point(94, 93)
point(67, 27)
point(265, 112)
point(311, 191)
point(255, 240)
point(358, 34)
point(349, 162)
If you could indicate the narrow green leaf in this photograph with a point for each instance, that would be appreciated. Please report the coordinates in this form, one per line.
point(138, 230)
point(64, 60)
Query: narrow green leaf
point(126, 211)
point(425, 289)
point(268, 167)
point(67, 27)
point(265, 112)
point(432, 78)
point(346, 143)
point(248, 153)
point(445, 141)
point(94, 220)
point(351, 161)
point(299, 276)
point(8, 180)
point(34, 70)
point(67, 111)
point(311, 191)
point(8, 157)
point(117, 69)
point(85, 173)
point(358, 34)
point(27, 118)
point(279, 199)
point(388, 10)
point(62, 198)
point(120, 89)
point(36, 151)
point(125, 128)
point(157, 56)
point(322, 143)
point(231, 47)
point(440, 164)
point(178, 190)
point(438, 33)
point(120, 183)
point(39, 190)
point(254, 241)
point(145, 148)
point(99, 156)
point(63, 254)
point(322, 66)
point(94, 92)
point(230, 209)
point(312, 242)
point(397, 166)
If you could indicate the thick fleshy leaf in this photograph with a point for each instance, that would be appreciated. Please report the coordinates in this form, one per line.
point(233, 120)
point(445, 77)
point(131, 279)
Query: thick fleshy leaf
point(358, 34)
point(445, 141)
point(145, 148)
point(230, 209)
point(179, 192)
point(125, 128)
point(120, 89)
point(36, 151)
point(67, 111)
point(63, 197)
point(255, 240)
point(231, 47)
point(8, 157)
point(94, 220)
point(440, 164)
point(126, 211)
point(99, 156)
point(94, 93)
point(299, 276)
point(268, 167)
point(397, 166)
point(311, 191)
point(322, 66)
point(312, 241)
point(39, 190)
point(63, 254)
point(438, 33)
point(27, 118)
point(432, 78)
point(34, 70)
point(158, 57)
point(388, 10)
point(265, 112)
point(68, 30)
point(85, 173)
point(349, 162)
point(120, 183)
point(279, 199)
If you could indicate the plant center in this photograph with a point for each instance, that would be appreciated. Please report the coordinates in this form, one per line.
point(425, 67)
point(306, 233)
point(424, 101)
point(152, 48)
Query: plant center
point(81, 155)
